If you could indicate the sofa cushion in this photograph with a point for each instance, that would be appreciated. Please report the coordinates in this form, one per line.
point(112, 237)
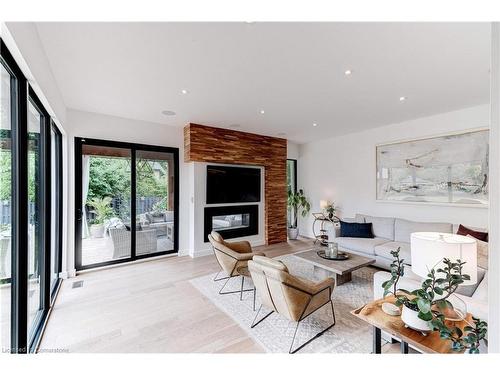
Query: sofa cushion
point(385, 249)
point(359, 218)
point(467, 290)
point(404, 228)
point(481, 292)
point(358, 230)
point(363, 245)
point(382, 226)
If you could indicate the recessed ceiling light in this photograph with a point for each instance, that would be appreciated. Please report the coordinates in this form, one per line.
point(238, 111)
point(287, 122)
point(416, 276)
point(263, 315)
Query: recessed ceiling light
point(262, 111)
point(184, 91)
point(348, 72)
point(402, 98)
point(168, 113)
point(314, 124)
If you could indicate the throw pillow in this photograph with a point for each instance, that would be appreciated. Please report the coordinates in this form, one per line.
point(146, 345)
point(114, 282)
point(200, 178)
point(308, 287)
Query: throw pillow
point(357, 230)
point(464, 231)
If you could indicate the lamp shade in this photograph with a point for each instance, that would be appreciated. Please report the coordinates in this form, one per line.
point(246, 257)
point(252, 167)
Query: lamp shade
point(323, 204)
point(429, 248)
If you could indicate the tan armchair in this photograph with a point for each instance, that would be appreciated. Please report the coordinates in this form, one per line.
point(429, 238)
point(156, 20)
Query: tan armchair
point(290, 296)
point(232, 257)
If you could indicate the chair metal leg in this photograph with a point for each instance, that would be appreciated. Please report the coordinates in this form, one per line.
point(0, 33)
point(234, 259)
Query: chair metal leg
point(256, 315)
point(290, 351)
point(222, 278)
point(242, 284)
point(254, 293)
point(234, 291)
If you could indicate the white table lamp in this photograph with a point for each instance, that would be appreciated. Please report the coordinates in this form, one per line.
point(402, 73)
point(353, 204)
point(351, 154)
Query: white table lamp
point(323, 204)
point(429, 248)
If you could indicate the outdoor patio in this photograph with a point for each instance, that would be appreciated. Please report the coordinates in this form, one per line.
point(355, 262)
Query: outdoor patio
point(99, 250)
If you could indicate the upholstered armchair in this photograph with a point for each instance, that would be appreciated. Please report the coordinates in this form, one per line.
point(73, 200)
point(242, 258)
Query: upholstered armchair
point(291, 296)
point(233, 259)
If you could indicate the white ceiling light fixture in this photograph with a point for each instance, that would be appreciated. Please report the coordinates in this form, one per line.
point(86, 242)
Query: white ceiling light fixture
point(262, 111)
point(402, 98)
point(348, 72)
point(168, 113)
point(314, 124)
point(184, 91)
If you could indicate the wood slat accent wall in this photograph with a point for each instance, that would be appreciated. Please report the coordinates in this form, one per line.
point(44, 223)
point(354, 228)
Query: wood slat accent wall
point(215, 145)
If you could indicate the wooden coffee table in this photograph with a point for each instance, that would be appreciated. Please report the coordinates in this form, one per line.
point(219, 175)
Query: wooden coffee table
point(341, 270)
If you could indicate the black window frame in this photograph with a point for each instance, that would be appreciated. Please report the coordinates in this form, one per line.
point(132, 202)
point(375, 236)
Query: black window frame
point(58, 222)
point(133, 147)
point(22, 94)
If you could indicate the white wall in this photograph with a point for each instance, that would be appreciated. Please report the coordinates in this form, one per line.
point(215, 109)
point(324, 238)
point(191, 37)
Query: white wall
point(92, 125)
point(199, 180)
point(292, 150)
point(342, 170)
point(24, 43)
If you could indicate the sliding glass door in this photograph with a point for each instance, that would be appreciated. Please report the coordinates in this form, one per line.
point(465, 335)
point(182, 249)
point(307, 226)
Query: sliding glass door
point(35, 244)
point(5, 204)
point(126, 194)
point(155, 191)
point(30, 210)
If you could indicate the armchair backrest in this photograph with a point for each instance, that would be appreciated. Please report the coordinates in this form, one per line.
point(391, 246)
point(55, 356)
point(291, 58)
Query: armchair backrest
point(225, 256)
point(278, 289)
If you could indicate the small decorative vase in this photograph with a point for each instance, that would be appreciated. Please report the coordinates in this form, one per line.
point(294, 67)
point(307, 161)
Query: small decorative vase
point(333, 250)
point(411, 320)
point(293, 233)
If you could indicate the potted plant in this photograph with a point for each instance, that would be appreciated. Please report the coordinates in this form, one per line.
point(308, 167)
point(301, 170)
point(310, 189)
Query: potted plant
point(330, 210)
point(297, 201)
point(427, 308)
point(103, 210)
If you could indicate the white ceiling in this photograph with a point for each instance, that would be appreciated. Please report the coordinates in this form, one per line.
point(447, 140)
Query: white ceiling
point(293, 71)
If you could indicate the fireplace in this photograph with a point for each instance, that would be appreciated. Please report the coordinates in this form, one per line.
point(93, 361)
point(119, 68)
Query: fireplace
point(232, 221)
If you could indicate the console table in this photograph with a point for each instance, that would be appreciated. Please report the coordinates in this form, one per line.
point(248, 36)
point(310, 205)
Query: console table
point(431, 343)
point(322, 237)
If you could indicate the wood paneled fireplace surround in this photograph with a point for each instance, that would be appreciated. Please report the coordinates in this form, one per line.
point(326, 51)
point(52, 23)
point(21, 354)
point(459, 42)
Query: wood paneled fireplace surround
point(216, 145)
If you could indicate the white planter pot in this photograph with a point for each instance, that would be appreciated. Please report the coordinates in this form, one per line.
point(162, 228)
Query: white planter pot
point(293, 233)
point(97, 230)
point(411, 319)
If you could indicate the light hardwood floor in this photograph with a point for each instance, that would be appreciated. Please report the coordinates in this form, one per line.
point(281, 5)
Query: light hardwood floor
point(149, 307)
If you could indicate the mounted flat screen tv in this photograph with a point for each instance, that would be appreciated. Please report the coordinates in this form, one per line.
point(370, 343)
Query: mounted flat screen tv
point(232, 184)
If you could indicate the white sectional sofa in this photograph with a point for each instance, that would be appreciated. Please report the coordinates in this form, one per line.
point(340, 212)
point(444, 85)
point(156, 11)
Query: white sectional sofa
point(391, 233)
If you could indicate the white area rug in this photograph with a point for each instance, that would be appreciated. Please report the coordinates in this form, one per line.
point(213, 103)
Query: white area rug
point(349, 335)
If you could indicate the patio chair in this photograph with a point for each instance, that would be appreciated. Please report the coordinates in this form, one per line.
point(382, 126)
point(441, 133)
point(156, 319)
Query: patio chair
point(146, 242)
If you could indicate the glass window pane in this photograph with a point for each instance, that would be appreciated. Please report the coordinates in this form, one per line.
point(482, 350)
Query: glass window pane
point(5, 207)
point(155, 201)
point(34, 215)
point(106, 181)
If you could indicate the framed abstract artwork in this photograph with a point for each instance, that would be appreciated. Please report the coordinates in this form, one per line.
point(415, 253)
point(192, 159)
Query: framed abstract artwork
point(448, 169)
